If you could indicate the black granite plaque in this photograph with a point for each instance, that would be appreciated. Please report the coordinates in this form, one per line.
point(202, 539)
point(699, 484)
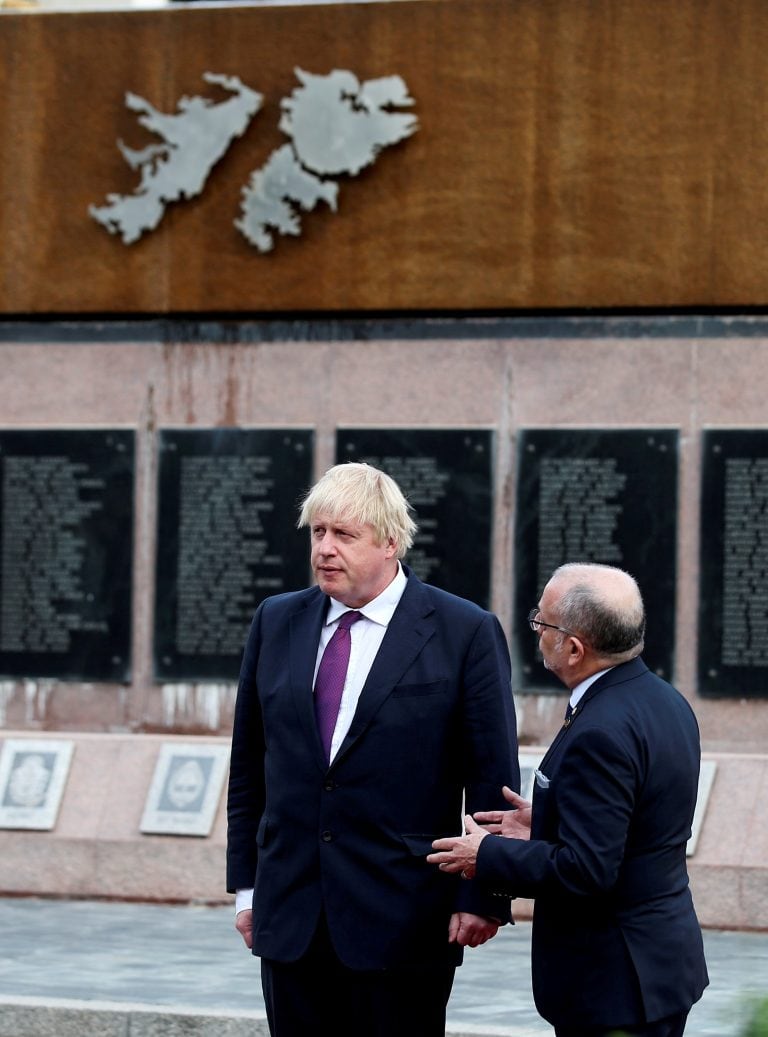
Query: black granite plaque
point(733, 601)
point(227, 539)
point(66, 520)
point(446, 476)
point(592, 495)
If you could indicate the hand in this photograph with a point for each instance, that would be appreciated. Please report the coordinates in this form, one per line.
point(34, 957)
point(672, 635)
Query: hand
point(471, 930)
point(458, 853)
point(512, 824)
point(244, 925)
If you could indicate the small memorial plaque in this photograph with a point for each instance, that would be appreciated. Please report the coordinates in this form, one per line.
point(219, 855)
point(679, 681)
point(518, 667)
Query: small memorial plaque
point(186, 789)
point(227, 539)
point(733, 602)
point(591, 495)
point(446, 476)
point(66, 523)
point(706, 780)
point(33, 773)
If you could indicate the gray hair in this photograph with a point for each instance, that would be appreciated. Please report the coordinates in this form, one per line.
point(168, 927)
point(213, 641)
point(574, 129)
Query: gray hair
point(360, 492)
point(603, 605)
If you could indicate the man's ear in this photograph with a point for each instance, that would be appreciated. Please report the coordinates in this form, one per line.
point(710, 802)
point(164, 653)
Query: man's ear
point(576, 651)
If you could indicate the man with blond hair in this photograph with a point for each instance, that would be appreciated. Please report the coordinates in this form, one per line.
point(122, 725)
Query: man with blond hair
point(616, 944)
point(369, 706)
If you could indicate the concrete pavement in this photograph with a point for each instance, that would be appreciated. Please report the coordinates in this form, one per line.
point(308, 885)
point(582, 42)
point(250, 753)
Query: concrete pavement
point(71, 967)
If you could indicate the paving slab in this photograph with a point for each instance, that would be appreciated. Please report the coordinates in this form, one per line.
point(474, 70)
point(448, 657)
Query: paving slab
point(69, 967)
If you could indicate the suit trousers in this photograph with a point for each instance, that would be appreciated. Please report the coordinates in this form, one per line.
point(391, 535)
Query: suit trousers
point(670, 1026)
point(318, 994)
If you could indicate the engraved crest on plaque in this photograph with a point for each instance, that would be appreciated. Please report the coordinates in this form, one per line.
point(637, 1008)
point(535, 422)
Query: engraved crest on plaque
point(186, 789)
point(33, 773)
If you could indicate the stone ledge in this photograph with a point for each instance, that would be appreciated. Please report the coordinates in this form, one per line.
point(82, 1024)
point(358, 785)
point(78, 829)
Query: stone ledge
point(43, 1017)
point(96, 849)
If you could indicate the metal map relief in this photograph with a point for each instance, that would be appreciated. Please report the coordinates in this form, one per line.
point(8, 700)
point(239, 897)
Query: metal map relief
point(336, 125)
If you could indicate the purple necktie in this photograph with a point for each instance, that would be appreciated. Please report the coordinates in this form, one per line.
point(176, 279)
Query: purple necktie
point(331, 675)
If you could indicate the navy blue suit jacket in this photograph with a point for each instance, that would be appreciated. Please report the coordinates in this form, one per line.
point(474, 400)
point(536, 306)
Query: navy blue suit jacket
point(615, 937)
point(435, 722)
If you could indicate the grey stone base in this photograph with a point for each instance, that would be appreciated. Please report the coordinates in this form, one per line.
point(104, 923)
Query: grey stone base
point(39, 1017)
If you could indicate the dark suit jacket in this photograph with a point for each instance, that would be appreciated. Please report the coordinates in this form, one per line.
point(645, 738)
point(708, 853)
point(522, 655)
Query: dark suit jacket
point(435, 720)
point(615, 937)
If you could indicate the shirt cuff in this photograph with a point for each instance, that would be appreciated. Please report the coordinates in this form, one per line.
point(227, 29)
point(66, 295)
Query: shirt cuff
point(243, 900)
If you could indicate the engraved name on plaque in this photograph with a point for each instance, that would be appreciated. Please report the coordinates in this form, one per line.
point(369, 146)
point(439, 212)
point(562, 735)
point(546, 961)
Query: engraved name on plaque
point(66, 525)
point(733, 610)
point(446, 476)
point(226, 540)
point(590, 495)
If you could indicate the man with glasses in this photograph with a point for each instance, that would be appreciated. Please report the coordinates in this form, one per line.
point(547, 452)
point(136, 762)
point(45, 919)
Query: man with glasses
point(616, 947)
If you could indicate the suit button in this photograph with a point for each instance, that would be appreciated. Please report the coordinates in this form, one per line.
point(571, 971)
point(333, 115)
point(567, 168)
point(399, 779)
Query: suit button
point(329, 785)
point(326, 837)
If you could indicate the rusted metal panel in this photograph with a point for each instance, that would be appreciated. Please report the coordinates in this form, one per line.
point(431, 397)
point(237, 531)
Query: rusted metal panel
point(609, 153)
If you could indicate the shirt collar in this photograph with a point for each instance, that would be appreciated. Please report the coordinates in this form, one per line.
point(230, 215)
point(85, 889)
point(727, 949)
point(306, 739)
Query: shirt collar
point(381, 608)
point(580, 689)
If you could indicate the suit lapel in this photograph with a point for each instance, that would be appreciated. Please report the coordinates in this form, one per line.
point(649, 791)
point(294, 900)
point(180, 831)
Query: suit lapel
point(304, 637)
point(552, 747)
point(411, 626)
point(617, 675)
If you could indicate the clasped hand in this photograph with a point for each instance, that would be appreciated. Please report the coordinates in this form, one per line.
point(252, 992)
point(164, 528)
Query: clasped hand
point(458, 853)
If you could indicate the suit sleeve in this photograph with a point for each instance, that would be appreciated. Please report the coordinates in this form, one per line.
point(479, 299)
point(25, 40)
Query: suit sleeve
point(246, 793)
point(586, 815)
point(490, 746)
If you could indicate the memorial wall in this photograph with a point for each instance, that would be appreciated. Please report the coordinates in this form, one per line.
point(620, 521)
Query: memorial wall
point(539, 309)
point(145, 519)
point(523, 442)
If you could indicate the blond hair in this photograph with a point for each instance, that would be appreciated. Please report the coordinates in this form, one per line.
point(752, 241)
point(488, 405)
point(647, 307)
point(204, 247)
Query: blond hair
point(359, 492)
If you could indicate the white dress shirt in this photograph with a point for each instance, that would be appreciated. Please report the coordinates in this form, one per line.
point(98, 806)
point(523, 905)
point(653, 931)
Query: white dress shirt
point(366, 636)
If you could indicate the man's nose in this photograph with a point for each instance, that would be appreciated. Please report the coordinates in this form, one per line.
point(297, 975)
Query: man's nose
point(327, 545)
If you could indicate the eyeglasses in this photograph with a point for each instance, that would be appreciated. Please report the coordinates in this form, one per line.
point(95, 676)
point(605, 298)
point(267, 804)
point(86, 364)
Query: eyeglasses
point(535, 624)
